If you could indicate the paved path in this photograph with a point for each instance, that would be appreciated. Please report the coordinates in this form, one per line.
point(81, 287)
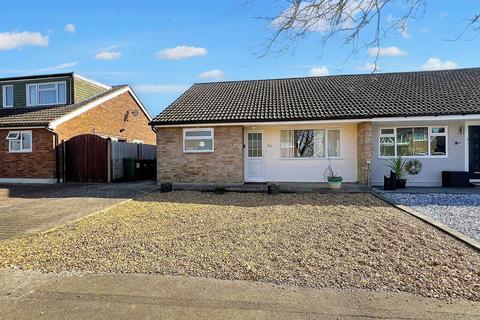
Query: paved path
point(28, 209)
point(27, 295)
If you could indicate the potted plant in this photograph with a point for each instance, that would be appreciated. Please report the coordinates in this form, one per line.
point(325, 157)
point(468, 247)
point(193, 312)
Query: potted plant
point(334, 181)
point(397, 165)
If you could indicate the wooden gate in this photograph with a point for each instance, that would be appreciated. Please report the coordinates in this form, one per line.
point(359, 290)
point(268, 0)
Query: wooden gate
point(87, 159)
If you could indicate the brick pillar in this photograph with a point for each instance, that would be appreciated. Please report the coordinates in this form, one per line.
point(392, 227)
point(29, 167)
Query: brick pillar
point(364, 151)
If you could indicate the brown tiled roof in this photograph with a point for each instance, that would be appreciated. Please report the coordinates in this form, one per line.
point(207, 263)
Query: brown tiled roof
point(42, 116)
point(332, 97)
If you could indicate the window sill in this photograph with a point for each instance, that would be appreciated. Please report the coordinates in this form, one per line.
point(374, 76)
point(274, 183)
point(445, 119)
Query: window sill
point(315, 159)
point(414, 157)
point(184, 151)
point(47, 104)
point(20, 151)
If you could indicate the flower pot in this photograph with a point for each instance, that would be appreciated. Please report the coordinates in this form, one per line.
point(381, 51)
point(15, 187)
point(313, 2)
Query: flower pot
point(401, 183)
point(334, 183)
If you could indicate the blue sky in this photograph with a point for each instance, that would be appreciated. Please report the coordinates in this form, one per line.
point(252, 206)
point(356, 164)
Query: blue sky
point(162, 47)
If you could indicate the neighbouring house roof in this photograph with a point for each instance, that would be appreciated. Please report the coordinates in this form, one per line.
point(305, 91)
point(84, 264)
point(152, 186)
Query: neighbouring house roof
point(44, 115)
point(427, 93)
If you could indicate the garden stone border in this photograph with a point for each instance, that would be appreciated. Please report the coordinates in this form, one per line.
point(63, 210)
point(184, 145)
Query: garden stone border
point(439, 225)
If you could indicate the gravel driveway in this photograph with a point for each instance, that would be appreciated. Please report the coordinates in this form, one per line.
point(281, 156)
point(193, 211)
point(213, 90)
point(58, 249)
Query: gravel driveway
point(459, 211)
point(311, 240)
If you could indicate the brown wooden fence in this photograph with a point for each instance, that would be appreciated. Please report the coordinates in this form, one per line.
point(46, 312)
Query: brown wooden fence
point(87, 159)
point(91, 158)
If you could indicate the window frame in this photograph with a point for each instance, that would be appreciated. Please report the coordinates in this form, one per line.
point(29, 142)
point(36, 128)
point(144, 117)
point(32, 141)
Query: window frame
point(325, 144)
point(20, 137)
point(37, 90)
point(185, 138)
point(4, 96)
point(430, 134)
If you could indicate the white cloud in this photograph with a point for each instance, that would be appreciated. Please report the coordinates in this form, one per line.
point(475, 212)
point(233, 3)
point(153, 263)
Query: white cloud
point(181, 52)
point(70, 28)
point(108, 55)
point(14, 40)
point(212, 74)
point(437, 64)
point(386, 52)
point(161, 88)
point(62, 66)
point(319, 71)
point(369, 67)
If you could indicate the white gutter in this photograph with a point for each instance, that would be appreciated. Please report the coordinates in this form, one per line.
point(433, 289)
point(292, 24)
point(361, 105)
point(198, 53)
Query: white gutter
point(276, 123)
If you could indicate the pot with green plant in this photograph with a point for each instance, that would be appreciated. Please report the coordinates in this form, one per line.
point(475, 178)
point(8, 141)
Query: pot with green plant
point(397, 165)
point(334, 181)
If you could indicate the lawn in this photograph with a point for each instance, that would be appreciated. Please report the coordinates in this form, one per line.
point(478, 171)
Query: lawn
point(314, 240)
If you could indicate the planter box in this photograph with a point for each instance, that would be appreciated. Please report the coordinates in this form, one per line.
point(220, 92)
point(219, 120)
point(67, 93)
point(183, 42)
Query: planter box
point(455, 179)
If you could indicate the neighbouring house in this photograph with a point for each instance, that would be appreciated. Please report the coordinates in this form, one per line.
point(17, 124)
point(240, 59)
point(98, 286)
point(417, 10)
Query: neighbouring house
point(39, 112)
point(290, 129)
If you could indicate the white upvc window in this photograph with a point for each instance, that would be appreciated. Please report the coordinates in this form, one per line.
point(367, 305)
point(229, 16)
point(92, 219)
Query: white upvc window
point(311, 143)
point(19, 141)
point(198, 140)
point(7, 94)
point(42, 94)
point(427, 141)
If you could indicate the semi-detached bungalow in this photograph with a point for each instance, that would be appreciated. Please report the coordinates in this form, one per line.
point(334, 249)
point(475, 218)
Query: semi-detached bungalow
point(288, 130)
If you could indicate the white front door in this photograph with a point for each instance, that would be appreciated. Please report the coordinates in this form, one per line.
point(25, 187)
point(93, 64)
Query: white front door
point(254, 157)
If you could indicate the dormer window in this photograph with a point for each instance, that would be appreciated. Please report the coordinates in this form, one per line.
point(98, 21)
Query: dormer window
point(7, 92)
point(42, 94)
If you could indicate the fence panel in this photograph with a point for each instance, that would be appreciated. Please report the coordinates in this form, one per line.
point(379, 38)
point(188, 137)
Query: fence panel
point(125, 150)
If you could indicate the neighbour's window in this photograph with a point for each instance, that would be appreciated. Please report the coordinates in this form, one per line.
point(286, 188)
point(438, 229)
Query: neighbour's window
point(7, 96)
point(46, 93)
point(138, 141)
point(413, 141)
point(198, 140)
point(310, 143)
point(19, 141)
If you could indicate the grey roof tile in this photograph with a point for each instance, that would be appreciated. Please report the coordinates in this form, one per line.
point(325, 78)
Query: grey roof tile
point(423, 93)
point(42, 116)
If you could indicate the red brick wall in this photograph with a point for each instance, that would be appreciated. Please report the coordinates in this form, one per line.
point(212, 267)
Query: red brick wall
point(107, 119)
point(38, 164)
point(224, 165)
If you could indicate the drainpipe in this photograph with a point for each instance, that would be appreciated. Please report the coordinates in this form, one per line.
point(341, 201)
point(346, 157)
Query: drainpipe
point(57, 154)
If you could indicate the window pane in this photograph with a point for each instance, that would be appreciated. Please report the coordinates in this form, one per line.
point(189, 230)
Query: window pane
point(15, 145)
point(420, 141)
point(199, 145)
point(387, 146)
point(255, 145)
point(438, 145)
point(47, 97)
point(62, 93)
point(198, 133)
point(46, 86)
point(26, 141)
point(287, 149)
point(13, 135)
point(405, 141)
point(319, 146)
point(8, 96)
point(304, 143)
point(334, 143)
point(438, 130)
point(32, 94)
point(387, 131)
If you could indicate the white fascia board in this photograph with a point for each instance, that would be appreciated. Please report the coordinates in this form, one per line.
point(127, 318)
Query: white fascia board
point(140, 104)
point(97, 102)
point(22, 128)
point(27, 180)
point(99, 84)
point(429, 118)
point(86, 107)
point(271, 123)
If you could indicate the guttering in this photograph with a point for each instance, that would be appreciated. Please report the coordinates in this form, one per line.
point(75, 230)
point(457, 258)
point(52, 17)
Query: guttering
point(357, 120)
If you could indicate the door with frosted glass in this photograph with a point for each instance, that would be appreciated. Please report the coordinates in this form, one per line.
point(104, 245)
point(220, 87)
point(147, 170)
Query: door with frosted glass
point(254, 157)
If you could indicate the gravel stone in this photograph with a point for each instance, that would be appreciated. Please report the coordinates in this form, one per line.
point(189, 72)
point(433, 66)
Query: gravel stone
point(459, 211)
point(313, 240)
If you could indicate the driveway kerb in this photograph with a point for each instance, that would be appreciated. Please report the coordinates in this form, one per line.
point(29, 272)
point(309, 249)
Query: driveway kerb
point(441, 226)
